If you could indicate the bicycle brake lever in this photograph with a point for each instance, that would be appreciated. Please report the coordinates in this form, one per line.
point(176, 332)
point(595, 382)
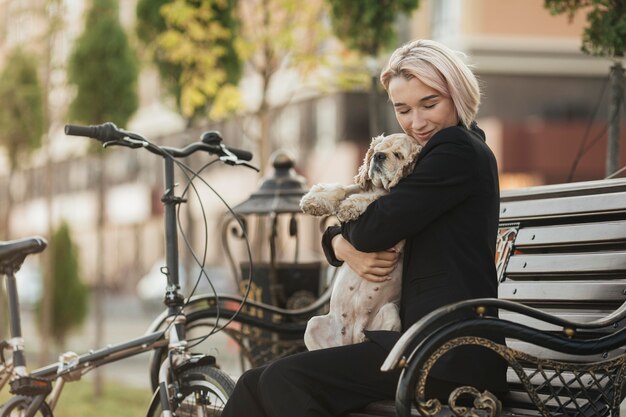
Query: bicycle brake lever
point(233, 161)
point(129, 143)
point(247, 165)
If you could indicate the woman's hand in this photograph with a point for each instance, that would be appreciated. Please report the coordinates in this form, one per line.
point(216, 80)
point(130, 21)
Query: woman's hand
point(372, 266)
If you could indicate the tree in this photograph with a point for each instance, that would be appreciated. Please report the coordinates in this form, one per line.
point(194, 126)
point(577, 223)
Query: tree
point(192, 44)
point(69, 294)
point(21, 125)
point(279, 36)
point(605, 36)
point(368, 27)
point(104, 70)
point(268, 35)
point(21, 115)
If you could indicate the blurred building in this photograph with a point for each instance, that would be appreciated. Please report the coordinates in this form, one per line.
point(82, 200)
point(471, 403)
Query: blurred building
point(545, 102)
point(544, 111)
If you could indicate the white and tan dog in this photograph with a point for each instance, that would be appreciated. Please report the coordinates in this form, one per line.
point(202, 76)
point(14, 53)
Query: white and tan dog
point(356, 304)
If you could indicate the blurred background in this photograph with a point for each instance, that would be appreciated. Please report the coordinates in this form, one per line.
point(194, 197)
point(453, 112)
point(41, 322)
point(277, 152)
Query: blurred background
point(270, 75)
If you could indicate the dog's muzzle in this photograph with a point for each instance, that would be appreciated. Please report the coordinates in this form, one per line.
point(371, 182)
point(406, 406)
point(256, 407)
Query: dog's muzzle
point(377, 163)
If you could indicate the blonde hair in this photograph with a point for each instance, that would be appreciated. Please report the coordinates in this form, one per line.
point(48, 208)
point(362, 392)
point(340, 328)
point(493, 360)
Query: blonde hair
point(440, 68)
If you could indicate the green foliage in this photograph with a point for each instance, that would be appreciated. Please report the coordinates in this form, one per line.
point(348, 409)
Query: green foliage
point(283, 34)
point(606, 33)
point(21, 111)
point(367, 26)
point(193, 44)
point(103, 68)
point(69, 294)
point(150, 21)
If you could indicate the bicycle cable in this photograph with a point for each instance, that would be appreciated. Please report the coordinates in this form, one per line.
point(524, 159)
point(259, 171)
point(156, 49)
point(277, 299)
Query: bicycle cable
point(216, 328)
point(185, 169)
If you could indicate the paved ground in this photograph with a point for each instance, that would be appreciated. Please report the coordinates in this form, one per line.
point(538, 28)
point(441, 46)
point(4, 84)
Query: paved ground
point(126, 319)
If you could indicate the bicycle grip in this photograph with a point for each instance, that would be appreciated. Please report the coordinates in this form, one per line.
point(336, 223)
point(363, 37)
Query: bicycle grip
point(105, 132)
point(78, 130)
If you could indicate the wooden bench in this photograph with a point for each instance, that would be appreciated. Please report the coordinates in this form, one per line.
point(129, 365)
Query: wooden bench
point(562, 306)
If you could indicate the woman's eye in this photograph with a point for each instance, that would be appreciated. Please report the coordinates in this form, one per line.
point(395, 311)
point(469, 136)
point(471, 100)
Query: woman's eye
point(430, 106)
point(403, 111)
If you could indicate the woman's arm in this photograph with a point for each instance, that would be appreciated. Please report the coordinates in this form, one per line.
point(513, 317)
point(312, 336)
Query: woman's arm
point(372, 266)
point(442, 179)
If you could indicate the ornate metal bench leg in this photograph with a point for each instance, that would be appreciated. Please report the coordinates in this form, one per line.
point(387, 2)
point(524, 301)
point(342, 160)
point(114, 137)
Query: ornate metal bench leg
point(482, 401)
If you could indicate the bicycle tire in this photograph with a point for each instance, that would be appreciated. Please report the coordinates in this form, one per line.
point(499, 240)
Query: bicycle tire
point(203, 388)
point(18, 404)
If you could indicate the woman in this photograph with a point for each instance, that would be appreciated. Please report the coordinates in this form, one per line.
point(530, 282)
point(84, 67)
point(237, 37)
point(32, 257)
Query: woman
point(446, 210)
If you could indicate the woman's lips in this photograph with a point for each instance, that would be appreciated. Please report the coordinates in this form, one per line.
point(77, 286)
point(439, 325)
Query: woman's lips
point(423, 136)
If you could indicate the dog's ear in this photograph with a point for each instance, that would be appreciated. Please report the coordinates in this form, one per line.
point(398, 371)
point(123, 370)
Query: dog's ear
point(362, 178)
point(410, 159)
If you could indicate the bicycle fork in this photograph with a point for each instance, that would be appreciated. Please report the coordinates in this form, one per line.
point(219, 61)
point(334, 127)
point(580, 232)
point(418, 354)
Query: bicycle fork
point(177, 351)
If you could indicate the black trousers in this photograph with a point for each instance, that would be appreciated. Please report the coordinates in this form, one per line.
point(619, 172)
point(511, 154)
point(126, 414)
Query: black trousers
point(321, 383)
point(326, 382)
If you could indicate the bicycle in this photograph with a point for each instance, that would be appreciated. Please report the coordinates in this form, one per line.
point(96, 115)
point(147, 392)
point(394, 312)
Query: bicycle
point(188, 384)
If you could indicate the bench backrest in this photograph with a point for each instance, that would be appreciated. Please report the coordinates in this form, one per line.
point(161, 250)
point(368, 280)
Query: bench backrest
point(562, 249)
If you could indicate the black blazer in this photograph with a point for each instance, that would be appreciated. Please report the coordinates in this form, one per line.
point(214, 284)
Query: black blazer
point(447, 211)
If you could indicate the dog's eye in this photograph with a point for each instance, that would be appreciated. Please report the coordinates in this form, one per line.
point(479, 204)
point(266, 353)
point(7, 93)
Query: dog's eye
point(398, 155)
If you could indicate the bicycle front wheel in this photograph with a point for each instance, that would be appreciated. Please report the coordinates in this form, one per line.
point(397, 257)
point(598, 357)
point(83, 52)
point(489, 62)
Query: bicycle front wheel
point(204, 391)
point(17, 405)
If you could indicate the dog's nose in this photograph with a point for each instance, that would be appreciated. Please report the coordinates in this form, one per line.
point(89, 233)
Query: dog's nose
point(380, 156)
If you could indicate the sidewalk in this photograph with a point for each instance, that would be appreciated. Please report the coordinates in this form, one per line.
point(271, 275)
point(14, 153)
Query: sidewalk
point(125, 319)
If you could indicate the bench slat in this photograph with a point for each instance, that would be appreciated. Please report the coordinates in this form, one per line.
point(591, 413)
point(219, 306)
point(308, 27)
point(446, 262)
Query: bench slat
point(562, 207)
point(513, 379)
point(578, 316)
point(564, 190)
point(544, 353)
point(578, 234)
point(520, 398)
point(575, 263)
point(563, 291)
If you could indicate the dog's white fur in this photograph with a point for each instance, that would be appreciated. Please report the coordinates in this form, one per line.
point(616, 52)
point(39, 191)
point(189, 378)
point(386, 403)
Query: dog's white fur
point(357, 304)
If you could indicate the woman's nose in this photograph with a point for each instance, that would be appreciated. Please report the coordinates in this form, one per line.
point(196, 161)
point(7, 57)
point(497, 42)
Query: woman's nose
point(418, 122)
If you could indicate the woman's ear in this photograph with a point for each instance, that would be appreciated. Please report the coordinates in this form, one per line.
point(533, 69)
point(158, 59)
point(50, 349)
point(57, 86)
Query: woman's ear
point(362, 178)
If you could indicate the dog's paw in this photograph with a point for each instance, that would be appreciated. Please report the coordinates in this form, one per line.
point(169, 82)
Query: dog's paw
point(348, 211)
point(322, 199)
point(314, 206)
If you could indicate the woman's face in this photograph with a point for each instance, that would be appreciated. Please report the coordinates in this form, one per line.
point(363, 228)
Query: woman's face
point(420, 110)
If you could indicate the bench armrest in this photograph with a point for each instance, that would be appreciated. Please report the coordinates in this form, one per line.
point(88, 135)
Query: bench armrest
point(442, 315)
point(422, 345)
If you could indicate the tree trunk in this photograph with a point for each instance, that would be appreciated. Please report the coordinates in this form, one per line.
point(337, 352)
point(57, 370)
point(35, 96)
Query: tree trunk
point(99, 287)
point(617, 94)
point(46, 297)
point(191, 274)
point(374, 125)
point(7, 235)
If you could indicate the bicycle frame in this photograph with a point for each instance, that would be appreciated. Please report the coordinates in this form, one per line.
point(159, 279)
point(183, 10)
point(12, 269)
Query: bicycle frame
point(72, 366)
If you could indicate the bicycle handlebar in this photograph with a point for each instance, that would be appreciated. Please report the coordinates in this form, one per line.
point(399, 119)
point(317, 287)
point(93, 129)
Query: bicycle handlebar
point(109, 134)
